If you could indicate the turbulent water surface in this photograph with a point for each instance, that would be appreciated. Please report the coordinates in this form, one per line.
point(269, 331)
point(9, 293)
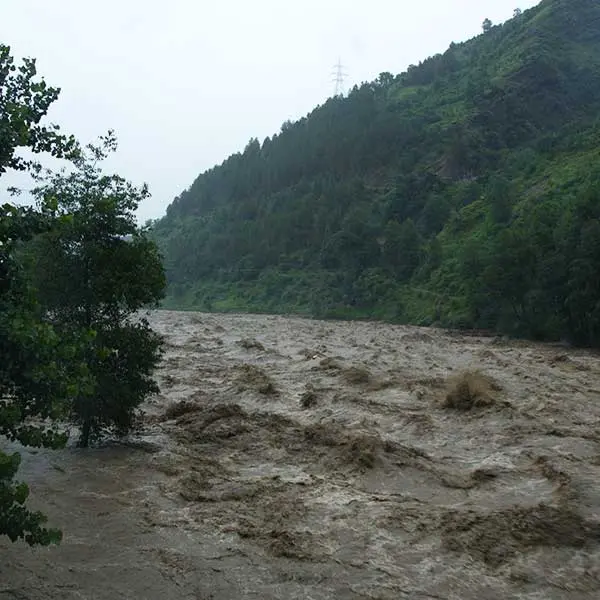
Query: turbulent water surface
point(296, 459)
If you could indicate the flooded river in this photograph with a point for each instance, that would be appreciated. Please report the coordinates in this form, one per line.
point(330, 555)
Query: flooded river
point(294, 459)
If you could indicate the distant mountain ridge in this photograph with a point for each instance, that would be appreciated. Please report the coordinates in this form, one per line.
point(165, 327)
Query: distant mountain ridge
point(463, 192)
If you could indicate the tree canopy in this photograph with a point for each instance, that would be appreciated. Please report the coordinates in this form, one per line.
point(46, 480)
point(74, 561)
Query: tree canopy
point(93, 271)
point(39, 371)
point(74, 270)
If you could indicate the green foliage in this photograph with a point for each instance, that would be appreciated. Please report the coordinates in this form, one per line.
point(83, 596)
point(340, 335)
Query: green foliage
point(462, 192)
point(94, 270)
point(16, 521)
point(122, 361)
point(23, 102)
point(38, 375)
point(73, 347)
point(39, 372)
point(402, 249)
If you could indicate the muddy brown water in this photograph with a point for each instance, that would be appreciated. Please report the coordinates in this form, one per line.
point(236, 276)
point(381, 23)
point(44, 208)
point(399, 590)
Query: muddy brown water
point(295, 459)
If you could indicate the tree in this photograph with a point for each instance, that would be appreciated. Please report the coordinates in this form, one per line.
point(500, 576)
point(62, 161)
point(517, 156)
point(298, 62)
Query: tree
point(487, 25)
point(385, 79)
point(96, 270)
point(402, 248)
point(517, 13)
point(24, 101)
point(499, 197)
point(39, 372)
point(582, 286)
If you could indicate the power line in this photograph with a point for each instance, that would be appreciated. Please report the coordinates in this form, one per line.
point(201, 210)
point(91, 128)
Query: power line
point(338, 78)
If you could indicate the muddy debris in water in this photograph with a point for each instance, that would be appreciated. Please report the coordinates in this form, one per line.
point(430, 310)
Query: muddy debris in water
point(179, 408)
point(312, 354)
point(168, 380)
point(197, 489)
point(297, 545)
point(251, 344)
point(422, 422)
point(432, 382)
point(566, 362)
point(202, 477)
point(216, 422)
point(309, 398)
point(356, 375)
point(167, 464)
point(496, 537)
point(252, 377)
point(559, 358)
point(348, 398)
point(378, 385)
point(329, 364)
point(469, 390)
point(361, 451)
point(564, 491)
point(278, 526)
point(419, 336)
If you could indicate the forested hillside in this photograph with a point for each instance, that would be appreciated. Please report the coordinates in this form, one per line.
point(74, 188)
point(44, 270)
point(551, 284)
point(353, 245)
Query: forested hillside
point(464, 192)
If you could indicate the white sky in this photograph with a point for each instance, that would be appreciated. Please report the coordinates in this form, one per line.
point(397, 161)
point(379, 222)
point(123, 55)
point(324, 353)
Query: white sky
point(186, 83)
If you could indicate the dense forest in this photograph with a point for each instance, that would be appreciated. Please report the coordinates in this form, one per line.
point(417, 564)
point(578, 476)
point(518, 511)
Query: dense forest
point(463, 192)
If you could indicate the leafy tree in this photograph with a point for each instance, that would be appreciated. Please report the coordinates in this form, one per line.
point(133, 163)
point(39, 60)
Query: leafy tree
point(517, 13)
point(582, 286)
point(39, 371)
point(24, 101)
point(385, 79)
point(487, 25)
point(402, 248)
point(434, 215)
point(583, 299)
point(39, 375)
point(95, 270)
point(499, 196)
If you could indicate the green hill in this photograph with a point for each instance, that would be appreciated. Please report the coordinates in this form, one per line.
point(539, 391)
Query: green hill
point(464, 192)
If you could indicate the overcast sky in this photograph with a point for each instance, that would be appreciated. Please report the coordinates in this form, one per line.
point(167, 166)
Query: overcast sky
point(185, 83)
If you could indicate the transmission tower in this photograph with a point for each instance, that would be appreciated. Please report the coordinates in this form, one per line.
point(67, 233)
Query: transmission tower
point(338, 78)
